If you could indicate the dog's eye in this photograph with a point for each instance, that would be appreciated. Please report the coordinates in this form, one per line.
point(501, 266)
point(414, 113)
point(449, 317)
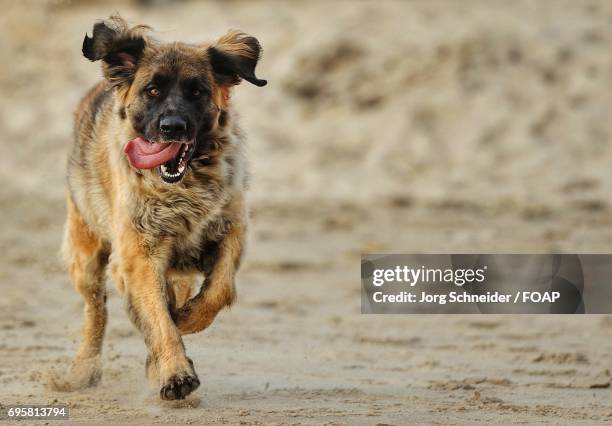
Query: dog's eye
point(196, 93)
point(153, 92)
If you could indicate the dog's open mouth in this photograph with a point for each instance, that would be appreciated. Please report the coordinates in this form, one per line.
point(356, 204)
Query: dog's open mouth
point(170, 158)
point(173, 170)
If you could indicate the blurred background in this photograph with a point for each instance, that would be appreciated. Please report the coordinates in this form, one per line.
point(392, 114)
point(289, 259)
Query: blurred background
point(393, 126)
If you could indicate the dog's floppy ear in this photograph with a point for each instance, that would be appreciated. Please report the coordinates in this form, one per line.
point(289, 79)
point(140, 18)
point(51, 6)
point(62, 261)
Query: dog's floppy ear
point(234, 57)
point(119, 47)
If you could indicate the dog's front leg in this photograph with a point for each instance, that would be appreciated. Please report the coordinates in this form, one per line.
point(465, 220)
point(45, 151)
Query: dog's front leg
point(218, 290)
point(142, 268)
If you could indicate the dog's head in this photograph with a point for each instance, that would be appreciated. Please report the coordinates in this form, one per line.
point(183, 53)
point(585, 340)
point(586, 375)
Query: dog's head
point(172, 94)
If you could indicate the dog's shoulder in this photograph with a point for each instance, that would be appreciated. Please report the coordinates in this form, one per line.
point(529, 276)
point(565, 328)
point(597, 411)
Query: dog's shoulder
point(95, 100)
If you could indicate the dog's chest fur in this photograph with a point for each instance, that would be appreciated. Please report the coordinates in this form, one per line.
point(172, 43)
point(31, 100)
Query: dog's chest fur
point(188, 217)
point(191, 215)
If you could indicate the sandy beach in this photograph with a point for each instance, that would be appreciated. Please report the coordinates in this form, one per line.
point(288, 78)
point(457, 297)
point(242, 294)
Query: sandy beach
point(417, 127)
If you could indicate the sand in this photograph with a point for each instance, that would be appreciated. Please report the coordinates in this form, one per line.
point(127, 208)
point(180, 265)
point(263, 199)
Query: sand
point(415, 127)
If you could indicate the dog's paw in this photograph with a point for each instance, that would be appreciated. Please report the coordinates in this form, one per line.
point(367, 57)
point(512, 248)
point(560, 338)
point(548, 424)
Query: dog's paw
point(189, 322)
point(83, 373)
point(179, 386)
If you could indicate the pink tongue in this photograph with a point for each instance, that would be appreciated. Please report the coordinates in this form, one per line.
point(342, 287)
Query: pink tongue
point(146, 155)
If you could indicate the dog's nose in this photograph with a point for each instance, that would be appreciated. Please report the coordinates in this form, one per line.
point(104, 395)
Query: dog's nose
point(172, 124)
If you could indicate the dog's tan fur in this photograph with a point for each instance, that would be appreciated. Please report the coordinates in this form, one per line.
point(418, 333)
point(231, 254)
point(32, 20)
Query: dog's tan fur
point(158, 238)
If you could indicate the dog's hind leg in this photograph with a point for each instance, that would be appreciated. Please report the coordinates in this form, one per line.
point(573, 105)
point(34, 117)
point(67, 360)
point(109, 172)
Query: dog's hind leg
point(87, 257)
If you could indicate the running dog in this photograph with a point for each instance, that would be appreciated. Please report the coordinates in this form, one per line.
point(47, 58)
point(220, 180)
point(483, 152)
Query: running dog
point(156, 183)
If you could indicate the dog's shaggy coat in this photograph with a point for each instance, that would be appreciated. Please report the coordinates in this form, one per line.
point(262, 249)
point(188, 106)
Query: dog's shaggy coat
point(158, 238)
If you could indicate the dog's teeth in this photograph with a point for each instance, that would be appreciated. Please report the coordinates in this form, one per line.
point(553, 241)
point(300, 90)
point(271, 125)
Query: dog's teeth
point(167, 175)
